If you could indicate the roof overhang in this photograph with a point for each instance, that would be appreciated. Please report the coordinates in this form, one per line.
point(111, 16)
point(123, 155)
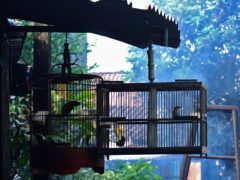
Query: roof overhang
point(112, 18)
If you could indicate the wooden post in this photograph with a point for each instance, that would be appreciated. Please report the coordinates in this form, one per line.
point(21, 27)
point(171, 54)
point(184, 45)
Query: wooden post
point(4, 111)
point(152, 102)
point(41, 66)
point(151, 64)
point(152, 115)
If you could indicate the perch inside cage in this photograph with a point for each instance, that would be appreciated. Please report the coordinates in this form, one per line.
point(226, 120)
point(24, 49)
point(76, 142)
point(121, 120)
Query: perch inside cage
point(67, 129)
point(152, 118)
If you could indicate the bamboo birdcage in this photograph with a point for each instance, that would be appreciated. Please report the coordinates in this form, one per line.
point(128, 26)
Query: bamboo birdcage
point(63, 137)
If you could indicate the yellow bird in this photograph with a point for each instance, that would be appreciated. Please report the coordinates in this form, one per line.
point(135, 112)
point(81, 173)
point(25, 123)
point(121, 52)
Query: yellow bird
point(119, 133)
point(119, 130)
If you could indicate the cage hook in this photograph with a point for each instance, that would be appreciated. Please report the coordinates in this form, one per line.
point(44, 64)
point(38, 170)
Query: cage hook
point(66, 57)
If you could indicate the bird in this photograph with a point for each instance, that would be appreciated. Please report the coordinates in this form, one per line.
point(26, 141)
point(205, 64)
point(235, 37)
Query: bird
point(118, 134)
point(121, 141)
point(68, 107)
point(119, 129)
point(176, 112)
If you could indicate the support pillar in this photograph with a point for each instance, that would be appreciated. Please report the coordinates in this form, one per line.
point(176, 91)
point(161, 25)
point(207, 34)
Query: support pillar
point(152, 102)
point(151, 64)
point(41, 67)
point(4, 109)
point(152, 115)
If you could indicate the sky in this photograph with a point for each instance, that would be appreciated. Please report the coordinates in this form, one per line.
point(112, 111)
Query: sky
point(110, 54)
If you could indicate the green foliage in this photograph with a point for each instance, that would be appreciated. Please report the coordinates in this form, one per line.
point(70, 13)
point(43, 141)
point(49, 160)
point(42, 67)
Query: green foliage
point(209, 49)
point(86, 98)
point(77, 44)
point(19, 136)
point(27, 52)
point(221, 126)
point(86, 126)
point(141, 170)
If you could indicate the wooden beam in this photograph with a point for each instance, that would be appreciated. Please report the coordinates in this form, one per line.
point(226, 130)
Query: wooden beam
point(213, 157)
point(4, 111)
point(222, 108)
point(42, 28)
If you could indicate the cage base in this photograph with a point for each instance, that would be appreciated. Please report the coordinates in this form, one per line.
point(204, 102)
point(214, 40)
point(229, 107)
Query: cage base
point(65, 160)
point(152, 150)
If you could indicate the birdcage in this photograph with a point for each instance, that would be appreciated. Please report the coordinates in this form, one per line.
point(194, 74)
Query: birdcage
point(63, 136)
point(149, 118)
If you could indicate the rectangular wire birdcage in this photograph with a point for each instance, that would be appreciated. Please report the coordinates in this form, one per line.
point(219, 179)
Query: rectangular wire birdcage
point(148, 118)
